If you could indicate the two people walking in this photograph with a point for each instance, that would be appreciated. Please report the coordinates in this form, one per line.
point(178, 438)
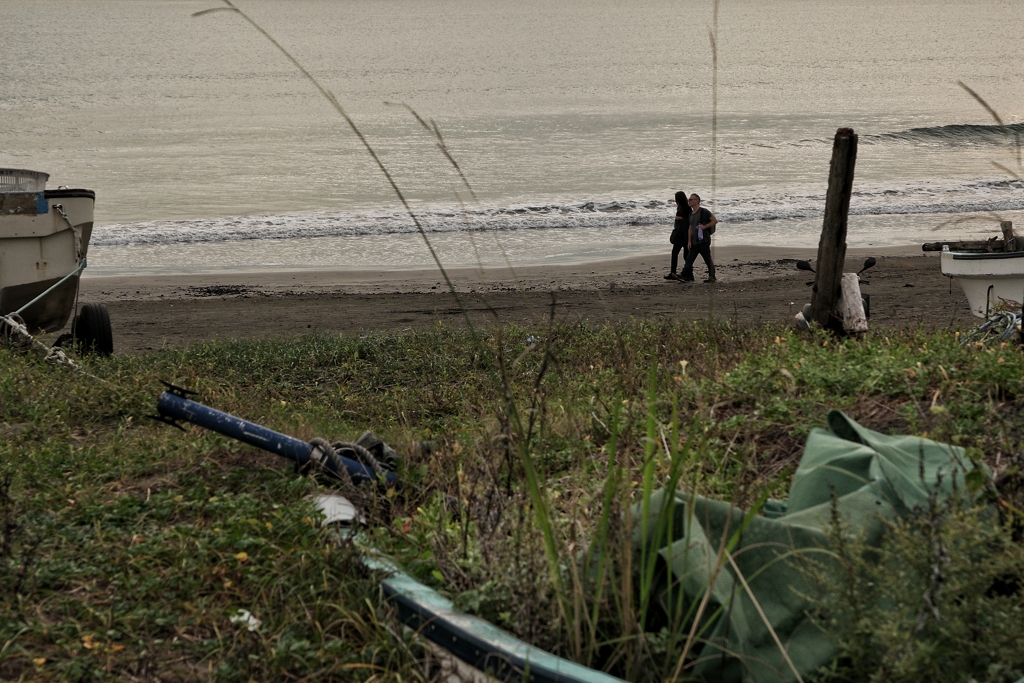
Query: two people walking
point(691, 234)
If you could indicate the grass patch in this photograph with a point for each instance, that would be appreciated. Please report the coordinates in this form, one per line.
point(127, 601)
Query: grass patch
point(128, 546)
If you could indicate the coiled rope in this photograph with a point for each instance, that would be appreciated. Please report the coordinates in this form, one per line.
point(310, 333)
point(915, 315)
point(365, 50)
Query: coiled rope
point(14, 331)
point(327, 457)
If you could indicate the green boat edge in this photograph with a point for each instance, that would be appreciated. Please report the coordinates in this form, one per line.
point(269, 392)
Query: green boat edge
point(473, 640)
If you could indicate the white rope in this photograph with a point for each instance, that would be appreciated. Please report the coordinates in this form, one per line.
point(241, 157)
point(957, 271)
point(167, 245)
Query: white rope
point(13, 329)
point(59, 208)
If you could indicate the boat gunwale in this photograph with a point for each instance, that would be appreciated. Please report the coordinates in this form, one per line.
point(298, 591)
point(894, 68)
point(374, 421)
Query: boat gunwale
point(65, 193)
point(985, 255)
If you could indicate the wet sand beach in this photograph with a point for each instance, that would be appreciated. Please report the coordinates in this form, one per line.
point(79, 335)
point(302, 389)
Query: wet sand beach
point(756, 284)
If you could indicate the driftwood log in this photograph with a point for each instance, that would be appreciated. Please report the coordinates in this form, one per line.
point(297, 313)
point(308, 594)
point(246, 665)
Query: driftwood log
point(992, 244)
point(1008, 242)
point(851, 306)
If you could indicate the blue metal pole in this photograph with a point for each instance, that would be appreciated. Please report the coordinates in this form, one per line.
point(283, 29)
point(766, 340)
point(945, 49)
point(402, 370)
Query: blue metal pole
point(178, 408)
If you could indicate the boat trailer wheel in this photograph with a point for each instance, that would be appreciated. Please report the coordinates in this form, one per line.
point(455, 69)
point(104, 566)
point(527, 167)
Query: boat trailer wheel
point(91, 330)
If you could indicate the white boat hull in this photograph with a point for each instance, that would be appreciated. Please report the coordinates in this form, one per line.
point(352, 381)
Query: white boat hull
point(38, 247)
point(990, 280)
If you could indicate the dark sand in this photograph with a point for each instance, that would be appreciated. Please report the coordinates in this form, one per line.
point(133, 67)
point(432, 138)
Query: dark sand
point(755, 284)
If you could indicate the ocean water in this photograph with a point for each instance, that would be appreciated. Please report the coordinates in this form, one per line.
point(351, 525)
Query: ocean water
point(574, 123)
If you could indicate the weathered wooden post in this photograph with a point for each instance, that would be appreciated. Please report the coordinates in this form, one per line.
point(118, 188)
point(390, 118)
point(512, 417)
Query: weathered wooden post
point(832, 246)
point(1009, 241)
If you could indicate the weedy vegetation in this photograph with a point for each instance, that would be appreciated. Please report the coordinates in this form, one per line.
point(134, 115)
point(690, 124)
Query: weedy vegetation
point(127, 546)
point(938, 601)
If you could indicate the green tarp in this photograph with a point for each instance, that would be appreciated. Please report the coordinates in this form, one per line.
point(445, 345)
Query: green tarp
point(873, 477)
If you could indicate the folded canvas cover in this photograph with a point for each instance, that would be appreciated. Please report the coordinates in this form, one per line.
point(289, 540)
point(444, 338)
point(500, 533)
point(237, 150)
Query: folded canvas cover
point(874, 477)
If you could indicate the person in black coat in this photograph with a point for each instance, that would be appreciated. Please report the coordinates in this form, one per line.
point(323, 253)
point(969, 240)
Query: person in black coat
point(680, 233)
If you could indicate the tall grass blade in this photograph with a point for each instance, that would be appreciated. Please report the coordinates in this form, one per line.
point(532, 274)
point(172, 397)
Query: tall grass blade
point(713, 36)
point(664, 526)
point(648, 545)
point(981, 100)
point(541, 511)
point(1007, 170)
point(601, 537)
point(435, 131)
point(725, 548)
point(999, 120)
point(330, 97)
point(760, 612)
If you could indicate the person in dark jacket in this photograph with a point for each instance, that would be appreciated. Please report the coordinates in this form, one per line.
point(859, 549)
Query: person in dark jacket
point(680, 233)
point(702, 226)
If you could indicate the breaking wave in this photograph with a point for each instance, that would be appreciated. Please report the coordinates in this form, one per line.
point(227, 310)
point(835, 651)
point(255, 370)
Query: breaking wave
point(919, 198)
point(960, 134)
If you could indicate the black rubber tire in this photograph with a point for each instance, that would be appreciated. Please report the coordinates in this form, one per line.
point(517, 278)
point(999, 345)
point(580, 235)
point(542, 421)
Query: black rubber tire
point(91, 330)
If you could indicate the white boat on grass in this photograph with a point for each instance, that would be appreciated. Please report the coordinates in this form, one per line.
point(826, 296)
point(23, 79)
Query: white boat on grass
point(991, 280)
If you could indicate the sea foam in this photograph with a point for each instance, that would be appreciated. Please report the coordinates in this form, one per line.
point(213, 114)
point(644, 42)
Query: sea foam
point(731, 206)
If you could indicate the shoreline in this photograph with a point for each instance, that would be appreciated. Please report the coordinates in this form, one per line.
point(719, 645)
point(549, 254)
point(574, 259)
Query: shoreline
point(734, 264)
point(756, 285)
